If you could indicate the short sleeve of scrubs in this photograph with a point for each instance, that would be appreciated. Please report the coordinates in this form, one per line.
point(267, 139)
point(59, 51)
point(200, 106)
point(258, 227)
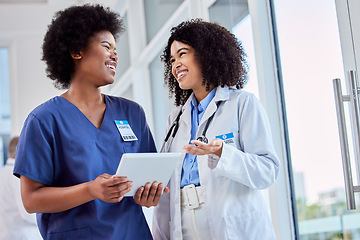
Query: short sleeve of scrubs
point(38, 146)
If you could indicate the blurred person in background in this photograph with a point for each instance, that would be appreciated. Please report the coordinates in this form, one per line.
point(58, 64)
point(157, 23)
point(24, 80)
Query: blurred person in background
point(15, 222)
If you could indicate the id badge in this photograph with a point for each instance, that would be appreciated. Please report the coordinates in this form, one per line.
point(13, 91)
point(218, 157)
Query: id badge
point(125, 130)
point(227, 138)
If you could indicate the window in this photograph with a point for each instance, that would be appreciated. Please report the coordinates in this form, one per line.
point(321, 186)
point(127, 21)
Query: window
point(123, 51)
point(310, 55)
point(157, 12)
point(5, 127)
point(160, 99)
point(235, 16)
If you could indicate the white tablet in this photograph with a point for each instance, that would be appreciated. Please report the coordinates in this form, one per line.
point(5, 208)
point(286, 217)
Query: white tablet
point(147, 167)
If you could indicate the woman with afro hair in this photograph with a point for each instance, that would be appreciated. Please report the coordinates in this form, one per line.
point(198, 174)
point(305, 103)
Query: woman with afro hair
point(229, 155)
point(70, 145)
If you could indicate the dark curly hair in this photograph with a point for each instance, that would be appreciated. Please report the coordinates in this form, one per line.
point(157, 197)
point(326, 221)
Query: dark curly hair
point(70, 31)
point(221, 56)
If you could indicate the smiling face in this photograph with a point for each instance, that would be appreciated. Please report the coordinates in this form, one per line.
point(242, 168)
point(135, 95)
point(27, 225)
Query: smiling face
point(185, 67)
point(98, 61)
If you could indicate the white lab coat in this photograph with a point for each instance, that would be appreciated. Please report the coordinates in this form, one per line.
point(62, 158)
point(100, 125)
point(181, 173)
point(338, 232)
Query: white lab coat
point(15, 222)
point(231, 185)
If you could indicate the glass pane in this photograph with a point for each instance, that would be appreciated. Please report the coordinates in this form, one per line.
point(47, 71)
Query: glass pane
point(128, 94)
point(160, 99)
point(157, 13)
point(234, 15)
point(5, 121)
point(123, 51)
point(4, 83)
point(228, 13)
point(243, 32)
point(310, 56)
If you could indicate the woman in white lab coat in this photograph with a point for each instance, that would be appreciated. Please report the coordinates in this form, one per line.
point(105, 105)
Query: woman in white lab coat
point(215, 191)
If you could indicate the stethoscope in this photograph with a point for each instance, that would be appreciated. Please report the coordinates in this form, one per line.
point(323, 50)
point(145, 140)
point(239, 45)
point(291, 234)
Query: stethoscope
point(175, 127)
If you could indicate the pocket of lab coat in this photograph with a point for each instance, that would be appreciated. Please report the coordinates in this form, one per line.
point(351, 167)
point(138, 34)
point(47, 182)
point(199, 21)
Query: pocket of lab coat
point(174, 234)
point(249, 226)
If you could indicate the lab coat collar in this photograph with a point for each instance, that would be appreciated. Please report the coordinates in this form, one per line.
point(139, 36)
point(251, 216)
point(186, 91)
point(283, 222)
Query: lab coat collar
point(222, 94)
point(186, 108)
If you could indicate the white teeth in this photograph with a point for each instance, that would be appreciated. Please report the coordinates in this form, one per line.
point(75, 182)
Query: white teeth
point(181, 74)
point(111, 66)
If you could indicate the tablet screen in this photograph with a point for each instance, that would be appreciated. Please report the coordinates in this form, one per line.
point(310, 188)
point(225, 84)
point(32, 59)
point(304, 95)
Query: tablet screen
point(147, 167)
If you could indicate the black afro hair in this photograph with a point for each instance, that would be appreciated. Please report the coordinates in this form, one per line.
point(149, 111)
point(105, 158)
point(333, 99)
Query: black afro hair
point(219, 53)
point(70, 31)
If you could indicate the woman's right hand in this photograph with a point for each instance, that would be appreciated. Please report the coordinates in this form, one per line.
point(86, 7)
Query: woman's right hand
point(40, 198)
point(109, 188)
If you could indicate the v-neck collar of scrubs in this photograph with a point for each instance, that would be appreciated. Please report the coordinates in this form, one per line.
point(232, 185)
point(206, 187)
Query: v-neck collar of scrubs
point(83, 115)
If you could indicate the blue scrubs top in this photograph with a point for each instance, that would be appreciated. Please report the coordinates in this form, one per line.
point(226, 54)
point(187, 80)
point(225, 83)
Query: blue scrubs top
point(60, 147)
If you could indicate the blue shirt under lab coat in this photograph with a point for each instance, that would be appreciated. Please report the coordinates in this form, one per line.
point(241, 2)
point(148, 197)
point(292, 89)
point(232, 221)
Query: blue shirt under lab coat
point(190, 173)
point(60, 147)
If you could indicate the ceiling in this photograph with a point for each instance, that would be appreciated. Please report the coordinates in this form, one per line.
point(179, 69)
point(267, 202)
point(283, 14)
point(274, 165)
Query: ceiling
point(109, 3)
point(23, 1)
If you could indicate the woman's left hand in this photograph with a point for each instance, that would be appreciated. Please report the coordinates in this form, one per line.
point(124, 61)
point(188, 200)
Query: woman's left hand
point(200, 148)
point(149, 195)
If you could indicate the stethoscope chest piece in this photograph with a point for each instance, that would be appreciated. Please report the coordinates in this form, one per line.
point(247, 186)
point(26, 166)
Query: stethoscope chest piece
point(203, 139)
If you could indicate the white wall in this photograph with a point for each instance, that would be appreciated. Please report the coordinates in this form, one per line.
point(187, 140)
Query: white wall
point(22, 28)
point(23, 35)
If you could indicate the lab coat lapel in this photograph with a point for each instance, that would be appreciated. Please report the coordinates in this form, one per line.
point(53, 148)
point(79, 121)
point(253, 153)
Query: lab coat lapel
point(211, 108)
point(186, 116)
point(222, 94)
